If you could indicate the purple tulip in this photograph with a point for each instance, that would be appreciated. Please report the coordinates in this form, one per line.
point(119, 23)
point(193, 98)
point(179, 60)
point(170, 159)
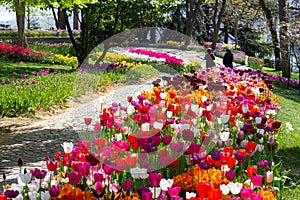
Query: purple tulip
point(167, 139)
point(127, 185)
point(14, 74)
point(99, 188)
point(83, 168)
point(98, 177)
point(230, 175)
point(39, 174)
point(11, 193)
point(74, 178)
point(54, 191)
point(147, 195)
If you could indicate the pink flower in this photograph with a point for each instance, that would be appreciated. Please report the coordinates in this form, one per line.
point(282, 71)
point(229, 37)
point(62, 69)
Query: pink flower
point(246, 193)
point(174, 191)
point(74, 178)
point(257, 180)
point(154, 179)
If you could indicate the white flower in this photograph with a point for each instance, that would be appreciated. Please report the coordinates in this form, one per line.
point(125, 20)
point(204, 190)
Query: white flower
point(68, 147)
point(32, 195)
point(158, 125)
point(18, 187)
point(271, 112)
point(189, 195)
point(118, 136)
point(225, 190)
point(258, 120)
point(241, 124)
point(235, 188)
point(145, 126)
point(155, 192)
point(19, 197)
point(33, 187)
point(130, 109)
point(245, 108)
point(165, 184)
point(163, 95)
point(169, 114)
point(289, 126)
point(224, 135)
point(45, 195)
point(259, 147)
point(139, 173)
point(24, 178)
point(224, 118)
point(261, 131)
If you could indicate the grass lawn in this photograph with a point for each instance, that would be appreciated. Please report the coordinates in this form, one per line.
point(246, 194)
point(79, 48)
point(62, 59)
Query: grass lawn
point(289, 141)
point(21, 68)
point(294, 76)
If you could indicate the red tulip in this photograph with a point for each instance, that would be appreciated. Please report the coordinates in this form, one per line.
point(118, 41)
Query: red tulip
point(87, 121)
point(203, 190)
point(51, 165)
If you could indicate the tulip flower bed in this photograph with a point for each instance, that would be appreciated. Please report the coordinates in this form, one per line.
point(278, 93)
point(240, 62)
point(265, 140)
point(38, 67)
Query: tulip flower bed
point(206, 135)
point(26, 93)
point(16, 53)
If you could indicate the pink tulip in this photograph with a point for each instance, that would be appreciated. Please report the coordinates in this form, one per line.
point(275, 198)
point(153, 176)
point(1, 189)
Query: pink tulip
point(174, 191)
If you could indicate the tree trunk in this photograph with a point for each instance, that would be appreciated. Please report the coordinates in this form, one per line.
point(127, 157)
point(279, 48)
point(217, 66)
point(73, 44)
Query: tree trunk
point(192, 13)
point(236, 39)
point(75, 19)
point(62, 19)
point(273, 32)
point(217, 25)
point(55, 18)
point(284, 46)
point(226, 33)
point(77, 48)
point(20, 15)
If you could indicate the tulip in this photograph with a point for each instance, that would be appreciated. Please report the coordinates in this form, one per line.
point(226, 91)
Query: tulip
point(11, 193)
point(155, 192)
point(127, 185)
point(235, 188)
point(54, 191)
point(256, 197)
point(257, 180)
point(230, 175)
point(174, 191)
point(25, 178)
point(224, 135)
point(225, 190)
point(51, 165)
point(45, 195)
point(165, 184)
point(269, 176)
point(147, 195)
point(246, 193)
point(74, 178)
point(87, 121)
point(154, 179)
point(68, 147)
point(190, 195)
point(167, 139)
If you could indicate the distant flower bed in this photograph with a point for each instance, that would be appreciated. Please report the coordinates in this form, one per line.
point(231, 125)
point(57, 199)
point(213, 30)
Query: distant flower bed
point(39, 33)
point(17, 53)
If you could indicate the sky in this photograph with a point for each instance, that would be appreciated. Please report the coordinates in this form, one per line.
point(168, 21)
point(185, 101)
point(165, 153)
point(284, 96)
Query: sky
point(6, 15)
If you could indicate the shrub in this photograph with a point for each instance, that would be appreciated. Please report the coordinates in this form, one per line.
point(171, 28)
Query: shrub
point(255, 63)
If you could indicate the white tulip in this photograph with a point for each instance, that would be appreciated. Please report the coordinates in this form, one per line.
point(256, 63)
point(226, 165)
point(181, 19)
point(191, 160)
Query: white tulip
point(258, 120)
point(235, 188)
point(225, 190)
point(155, 192)
point(224, 135)
point(68, 147)
point(130, 109)
point(25, 178)
point(45, 195)
point(224, 118)
point(165, 184)
point(32, 195)
point(189, 195)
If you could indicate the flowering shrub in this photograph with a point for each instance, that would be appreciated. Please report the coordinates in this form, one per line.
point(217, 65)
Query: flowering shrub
point(208, 44)
point(16, 53)
point(207, 135)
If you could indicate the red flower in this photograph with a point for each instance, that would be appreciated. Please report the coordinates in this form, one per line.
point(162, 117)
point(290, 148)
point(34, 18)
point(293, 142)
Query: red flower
point(132, 138)
point(203, 190)
point(51, 165)
point(215, 194)
point(250, 147)
point(87, 121)
point(251, 170)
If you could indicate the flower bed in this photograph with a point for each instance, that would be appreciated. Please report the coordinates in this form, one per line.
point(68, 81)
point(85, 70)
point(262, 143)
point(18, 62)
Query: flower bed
point(16, 53)
point(207, 135)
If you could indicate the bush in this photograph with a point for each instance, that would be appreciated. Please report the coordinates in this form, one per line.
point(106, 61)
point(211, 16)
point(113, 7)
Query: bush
point(255, 63)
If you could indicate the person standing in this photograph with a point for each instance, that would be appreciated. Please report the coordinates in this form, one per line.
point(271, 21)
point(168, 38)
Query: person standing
point(209, 57)
point(228, 59)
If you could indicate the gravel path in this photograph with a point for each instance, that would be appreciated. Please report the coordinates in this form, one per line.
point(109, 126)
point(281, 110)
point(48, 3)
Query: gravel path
point(39, 139)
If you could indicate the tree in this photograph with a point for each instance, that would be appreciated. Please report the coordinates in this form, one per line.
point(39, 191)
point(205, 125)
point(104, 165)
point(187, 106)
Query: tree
point(272, 29)
point(217, 18)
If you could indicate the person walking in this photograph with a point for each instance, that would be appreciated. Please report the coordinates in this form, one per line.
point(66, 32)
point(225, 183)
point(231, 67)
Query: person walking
point(209, 57)
point(228, 59)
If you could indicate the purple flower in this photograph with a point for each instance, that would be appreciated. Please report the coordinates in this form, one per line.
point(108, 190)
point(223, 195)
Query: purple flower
point(167, 139)
point(14, 74)
point(54, 191)
point(26, 83)
point(2, 83)
point(74, 178)
point(98, 177)
point(32, 73)
point(39, 174)
point(11, 193)
point(204, 165)
point(230, 175)
point(215, 156)
point(33, 82)
point(127, 185)
point(7, 80)
point(147, 195)
point(24, 76)
point(55, 71)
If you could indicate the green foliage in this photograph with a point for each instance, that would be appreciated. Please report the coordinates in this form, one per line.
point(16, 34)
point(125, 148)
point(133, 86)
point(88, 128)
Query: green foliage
point(255, 63)
point(35, 33)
